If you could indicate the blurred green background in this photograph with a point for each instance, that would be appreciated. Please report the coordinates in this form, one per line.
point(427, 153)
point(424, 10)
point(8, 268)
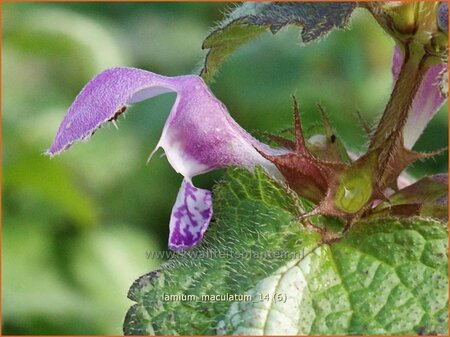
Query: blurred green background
point(76, 228)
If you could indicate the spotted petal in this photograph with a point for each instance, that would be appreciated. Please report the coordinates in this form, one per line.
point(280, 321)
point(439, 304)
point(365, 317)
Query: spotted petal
point(191, 215)
point(199, 134)
point(428, 100)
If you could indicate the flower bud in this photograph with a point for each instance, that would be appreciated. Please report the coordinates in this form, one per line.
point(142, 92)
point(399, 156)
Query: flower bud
point(423, 23)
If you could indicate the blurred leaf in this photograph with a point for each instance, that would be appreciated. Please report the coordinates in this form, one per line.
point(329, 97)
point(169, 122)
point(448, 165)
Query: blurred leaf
point(104, 263)
point(156, 45)
point(29, 171)
point(32, 287)
point(251, 19)
point(40, 299)
point(45, 32)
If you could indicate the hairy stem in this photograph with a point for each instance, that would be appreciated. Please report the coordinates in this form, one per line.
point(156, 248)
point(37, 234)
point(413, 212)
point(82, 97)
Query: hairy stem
point(396, 112)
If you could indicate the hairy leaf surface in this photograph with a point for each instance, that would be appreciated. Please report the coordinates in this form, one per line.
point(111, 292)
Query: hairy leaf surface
point(249, 20)
point(259, 271)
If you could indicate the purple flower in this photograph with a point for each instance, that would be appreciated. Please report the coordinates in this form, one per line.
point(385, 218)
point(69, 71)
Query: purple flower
point(442, 16)
point(199, 136)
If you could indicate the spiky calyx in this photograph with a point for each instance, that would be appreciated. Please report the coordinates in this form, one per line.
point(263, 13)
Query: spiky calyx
point(320, 171)
point(351, 189)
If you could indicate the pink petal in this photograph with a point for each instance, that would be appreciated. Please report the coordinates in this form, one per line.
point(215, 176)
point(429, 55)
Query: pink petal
point(442, 16)
point(190, 217)
point(427, 102)
point(199, 134)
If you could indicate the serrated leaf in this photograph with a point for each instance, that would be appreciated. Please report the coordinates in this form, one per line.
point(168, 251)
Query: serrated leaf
point(387, 276)
point(249, 20)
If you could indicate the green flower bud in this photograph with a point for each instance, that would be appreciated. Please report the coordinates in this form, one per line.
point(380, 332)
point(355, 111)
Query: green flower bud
point(354, 191)
point(423, 23)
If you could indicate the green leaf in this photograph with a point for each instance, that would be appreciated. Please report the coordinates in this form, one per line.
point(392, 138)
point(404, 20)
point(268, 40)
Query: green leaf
point(259, 271)
point(254, 234)
point(249, 20)
point(426, 197)
point(384, 278)
point(426, 190)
